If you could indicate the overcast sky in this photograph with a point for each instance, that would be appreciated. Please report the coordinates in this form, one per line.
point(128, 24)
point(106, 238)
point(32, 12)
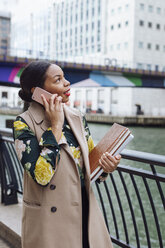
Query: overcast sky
point(22, 5)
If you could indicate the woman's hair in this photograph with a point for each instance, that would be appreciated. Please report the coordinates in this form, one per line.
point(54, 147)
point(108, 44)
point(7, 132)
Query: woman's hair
point(33, 75)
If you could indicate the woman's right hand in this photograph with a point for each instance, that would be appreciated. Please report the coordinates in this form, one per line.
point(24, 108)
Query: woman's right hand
point(54, 112)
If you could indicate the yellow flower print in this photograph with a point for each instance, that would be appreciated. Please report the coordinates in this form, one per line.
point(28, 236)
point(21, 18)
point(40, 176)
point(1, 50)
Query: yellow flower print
point(43, 171)
point(41, 142)
point(62, 135)
point(90, 144)
point(75, 152)
point(19, 125)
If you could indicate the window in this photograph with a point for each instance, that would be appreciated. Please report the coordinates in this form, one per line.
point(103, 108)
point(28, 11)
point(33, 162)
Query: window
point(112, 27)
point(150, 8)
point(150, 24)
point(93, 25)
point(158, 26)
point(81, 40)
point(118, 46)
point(99, 9)
point(126, 23)
point(119, 25)
point(92, 39)
point(141, 6)
point(93, 11)
point(89, 95)
point(157, 47)
point(149, 46)
point(98, 48)
point(101, 96)
point(111, 47)
point(112, 11)
point(4, 94)
point(148, 67)
point(127, 7)
point(126, 45)
point(163, 48)
point(158, 10)
point(86, 27)
point(98, 24)
point(140, 66)
point(119, 10)
point(156, 68)
point(86, 41)
point(78, 95)
point(4, 41)
point(140, 45)
point(141, 23)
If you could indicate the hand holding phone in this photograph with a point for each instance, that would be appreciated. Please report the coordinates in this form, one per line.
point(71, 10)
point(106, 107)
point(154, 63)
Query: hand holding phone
point(53, 109)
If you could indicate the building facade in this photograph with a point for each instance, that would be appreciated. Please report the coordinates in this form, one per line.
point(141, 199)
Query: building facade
point(119, 101)
point(125, 33)
point(5, 25)
point(79, 30)
point(9, 97)
point(137, 34)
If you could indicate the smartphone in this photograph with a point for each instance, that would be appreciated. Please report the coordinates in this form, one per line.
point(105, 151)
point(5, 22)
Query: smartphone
point(37, 95)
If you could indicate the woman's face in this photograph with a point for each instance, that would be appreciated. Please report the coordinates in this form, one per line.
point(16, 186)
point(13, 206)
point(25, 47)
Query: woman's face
point(55, 82)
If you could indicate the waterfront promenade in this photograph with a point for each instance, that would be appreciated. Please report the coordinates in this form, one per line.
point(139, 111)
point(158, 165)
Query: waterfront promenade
point(138, 120)
point(10, 225)
point(4, 244)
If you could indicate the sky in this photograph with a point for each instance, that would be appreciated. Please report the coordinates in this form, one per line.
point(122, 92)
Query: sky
point(22, 5)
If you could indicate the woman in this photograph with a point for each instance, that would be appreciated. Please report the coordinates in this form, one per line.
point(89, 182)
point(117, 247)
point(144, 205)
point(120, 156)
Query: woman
point(53, 143)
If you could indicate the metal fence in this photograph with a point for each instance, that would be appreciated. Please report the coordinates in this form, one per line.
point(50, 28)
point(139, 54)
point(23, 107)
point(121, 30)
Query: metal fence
point(132, 198)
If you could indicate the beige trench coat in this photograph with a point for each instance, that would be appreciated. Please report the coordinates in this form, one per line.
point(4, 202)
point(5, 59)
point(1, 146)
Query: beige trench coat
point(53, 218)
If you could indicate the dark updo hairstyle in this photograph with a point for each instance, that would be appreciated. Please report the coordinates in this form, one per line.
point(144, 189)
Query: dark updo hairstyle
point(33, 75)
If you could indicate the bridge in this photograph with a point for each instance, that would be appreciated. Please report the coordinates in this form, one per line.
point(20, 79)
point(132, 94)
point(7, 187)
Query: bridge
point(85, 74)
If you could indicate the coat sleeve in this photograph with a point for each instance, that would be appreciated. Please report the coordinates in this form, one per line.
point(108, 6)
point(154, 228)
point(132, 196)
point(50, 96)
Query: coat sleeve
point(90, 143)
point(39, 159)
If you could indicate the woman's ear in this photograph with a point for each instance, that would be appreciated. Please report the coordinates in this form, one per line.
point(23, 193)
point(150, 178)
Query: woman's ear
point(32, 90)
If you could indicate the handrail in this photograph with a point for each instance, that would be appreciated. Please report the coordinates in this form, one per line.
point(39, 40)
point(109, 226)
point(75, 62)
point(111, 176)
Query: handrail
point(132, 198)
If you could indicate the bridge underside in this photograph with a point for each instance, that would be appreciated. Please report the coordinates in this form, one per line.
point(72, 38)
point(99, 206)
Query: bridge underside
point(87, 75)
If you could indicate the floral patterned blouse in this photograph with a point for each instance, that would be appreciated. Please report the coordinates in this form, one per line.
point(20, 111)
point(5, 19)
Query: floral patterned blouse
point(40, 160)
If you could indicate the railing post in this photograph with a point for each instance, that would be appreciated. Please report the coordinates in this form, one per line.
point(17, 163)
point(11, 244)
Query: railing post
point(8, 185)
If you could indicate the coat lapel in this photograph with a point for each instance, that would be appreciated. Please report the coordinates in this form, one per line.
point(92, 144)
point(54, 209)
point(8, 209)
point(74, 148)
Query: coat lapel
point(75, 121)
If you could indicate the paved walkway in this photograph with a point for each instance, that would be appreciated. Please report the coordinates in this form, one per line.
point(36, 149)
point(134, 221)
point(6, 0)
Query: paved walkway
point(3, 244)
point(10, 224)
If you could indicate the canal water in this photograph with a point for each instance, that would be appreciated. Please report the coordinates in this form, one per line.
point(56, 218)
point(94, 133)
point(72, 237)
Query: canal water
point(146, 139)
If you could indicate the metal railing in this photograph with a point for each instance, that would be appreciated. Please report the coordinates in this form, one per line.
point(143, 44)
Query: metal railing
point(132, 198)
point(11, 171)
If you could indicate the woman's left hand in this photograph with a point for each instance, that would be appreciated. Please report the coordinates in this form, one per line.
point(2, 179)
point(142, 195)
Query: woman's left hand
point(108, 162)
